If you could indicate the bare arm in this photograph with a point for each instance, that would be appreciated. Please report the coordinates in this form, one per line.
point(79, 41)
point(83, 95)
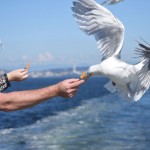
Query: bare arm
point(23, 99)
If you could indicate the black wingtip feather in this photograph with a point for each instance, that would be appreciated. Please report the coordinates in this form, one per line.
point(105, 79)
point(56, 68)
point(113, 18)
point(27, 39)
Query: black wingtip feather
point(74, 3)
point(143, 46)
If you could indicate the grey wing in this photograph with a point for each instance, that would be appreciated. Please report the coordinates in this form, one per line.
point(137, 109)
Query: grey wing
point(96, 20)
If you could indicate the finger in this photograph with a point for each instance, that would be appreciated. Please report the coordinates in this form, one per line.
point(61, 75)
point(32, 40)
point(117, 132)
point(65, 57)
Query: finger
point(73, 90)
point(77, 84)
point(25, 76)
point(72, 80)
point(22, 70)
point(72, 94)
point(19, 70)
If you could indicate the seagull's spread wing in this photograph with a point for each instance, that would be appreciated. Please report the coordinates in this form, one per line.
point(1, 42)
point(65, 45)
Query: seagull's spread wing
point(96, 20)
point(139, 75)
point(143, 71)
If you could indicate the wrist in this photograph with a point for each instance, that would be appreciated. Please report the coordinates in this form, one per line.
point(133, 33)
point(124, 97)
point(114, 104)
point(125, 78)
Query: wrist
point(9, 77)
point(4, 83)
point(7, 80)
point(56, 90)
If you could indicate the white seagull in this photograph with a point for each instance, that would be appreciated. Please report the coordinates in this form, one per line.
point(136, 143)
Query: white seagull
point(131, 81)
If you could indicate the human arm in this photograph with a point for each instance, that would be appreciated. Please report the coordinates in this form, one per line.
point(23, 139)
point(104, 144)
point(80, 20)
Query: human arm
point(24, 99)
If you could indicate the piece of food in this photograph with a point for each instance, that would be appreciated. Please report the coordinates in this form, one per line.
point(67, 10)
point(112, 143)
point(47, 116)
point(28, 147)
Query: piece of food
point(27, 66)
point(83, 75)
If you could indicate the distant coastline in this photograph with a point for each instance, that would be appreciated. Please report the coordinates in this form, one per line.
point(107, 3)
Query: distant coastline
point(53, 72)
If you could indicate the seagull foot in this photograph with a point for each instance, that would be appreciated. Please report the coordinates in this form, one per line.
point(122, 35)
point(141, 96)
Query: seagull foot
point(85, 76)
point(113, 83)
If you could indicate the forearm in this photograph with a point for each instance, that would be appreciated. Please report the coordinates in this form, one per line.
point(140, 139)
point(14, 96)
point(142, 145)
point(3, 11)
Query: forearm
point(23, 99)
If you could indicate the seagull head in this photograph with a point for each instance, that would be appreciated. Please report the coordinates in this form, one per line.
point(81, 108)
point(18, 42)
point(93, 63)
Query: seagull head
point(92, 71)
point(95, 70)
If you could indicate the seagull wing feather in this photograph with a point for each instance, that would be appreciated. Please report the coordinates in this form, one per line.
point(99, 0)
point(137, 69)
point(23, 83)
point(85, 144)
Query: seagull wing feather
point(143, 68)
point(96, 20)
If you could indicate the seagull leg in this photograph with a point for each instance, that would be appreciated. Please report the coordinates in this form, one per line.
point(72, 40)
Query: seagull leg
point(113, 83)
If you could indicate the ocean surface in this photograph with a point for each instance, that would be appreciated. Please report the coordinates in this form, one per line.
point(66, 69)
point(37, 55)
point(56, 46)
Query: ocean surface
point(93, 120)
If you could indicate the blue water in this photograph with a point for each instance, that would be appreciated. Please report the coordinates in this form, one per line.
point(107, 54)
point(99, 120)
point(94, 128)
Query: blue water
point(93, 120)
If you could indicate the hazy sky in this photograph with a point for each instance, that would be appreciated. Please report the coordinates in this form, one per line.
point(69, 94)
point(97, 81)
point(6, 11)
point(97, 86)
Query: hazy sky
point(45, 34)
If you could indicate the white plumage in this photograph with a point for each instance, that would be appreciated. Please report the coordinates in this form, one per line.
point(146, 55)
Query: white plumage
point(131, 81)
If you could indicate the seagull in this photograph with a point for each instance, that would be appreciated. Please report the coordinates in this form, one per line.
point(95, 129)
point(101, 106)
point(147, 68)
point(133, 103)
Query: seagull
point(131, 81)
point(111, 2)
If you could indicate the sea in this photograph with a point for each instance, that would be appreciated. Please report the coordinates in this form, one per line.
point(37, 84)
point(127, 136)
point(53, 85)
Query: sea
point(92, 120)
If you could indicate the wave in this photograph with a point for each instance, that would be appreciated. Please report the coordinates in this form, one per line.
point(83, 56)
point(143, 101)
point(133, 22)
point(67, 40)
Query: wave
point(92, 124)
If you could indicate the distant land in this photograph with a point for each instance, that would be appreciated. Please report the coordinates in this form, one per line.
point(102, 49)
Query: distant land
point(54, 72)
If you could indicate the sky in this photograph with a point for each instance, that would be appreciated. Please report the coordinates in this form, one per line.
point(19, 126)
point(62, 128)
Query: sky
point(45, 34)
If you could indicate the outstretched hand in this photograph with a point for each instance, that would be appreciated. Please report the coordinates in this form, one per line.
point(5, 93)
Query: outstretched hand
point(69, 87)
point(17, 75)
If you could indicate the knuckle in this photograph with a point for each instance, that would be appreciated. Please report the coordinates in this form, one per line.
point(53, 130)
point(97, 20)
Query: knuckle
point(68, 91)
point(67, 87)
